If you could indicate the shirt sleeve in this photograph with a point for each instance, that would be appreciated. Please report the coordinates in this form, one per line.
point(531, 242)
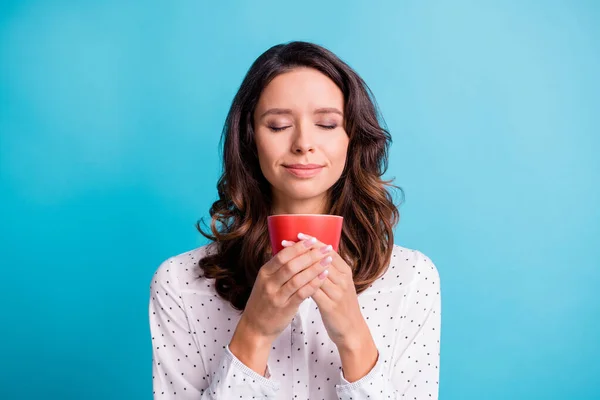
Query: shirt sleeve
point(414, 373)
point(178, 368)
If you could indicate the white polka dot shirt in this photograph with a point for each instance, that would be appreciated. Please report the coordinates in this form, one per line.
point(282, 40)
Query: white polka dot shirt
point(191, 328)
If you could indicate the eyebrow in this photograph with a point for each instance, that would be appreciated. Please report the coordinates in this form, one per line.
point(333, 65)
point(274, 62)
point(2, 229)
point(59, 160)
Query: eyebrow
point(329, 110)
point(287, 111)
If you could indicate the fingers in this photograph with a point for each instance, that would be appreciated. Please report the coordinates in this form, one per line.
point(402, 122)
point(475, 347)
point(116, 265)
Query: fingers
point(318, 270)
point(317, 252)
point(307, 290)
point(291, 250)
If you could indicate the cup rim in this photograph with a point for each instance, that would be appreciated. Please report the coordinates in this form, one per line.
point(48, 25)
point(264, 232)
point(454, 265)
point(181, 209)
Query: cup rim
point(306, 215)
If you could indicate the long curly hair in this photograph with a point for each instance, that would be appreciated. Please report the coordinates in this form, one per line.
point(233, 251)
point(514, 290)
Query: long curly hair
point(238, 224)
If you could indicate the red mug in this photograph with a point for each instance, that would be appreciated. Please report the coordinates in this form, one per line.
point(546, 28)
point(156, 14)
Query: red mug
point(325, 227)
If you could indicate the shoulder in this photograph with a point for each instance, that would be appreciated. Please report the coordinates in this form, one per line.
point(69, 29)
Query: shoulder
point(414, 263)
point(414, 266)
point(408, 268)
point(180, 268)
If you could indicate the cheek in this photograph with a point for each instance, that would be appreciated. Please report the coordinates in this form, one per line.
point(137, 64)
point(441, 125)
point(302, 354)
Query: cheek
point(267, 153)
point(340, 152)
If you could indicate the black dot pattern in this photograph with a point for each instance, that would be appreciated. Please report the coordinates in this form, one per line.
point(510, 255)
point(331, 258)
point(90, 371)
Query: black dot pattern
point(191, 328)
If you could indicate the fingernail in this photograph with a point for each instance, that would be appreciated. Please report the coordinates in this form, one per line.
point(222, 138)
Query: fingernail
point(302, 236)
point(326, 261)
point(326, 249)
point(310, 242)
point(324, 274)
point(286, 243)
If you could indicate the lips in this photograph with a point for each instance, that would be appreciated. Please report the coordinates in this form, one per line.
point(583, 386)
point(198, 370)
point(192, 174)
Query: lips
point(303, 166)
point(304, 170)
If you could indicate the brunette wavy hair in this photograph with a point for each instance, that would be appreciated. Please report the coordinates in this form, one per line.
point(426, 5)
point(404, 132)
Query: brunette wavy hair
point(238, 225)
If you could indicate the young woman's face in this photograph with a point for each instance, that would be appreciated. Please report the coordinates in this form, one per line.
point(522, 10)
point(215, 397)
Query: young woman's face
point(299, 120)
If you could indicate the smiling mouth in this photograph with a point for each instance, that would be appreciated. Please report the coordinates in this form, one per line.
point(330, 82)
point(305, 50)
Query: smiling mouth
point(304, 172)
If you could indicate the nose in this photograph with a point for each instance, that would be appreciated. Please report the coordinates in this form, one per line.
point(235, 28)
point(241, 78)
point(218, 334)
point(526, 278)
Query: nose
point(302, 142)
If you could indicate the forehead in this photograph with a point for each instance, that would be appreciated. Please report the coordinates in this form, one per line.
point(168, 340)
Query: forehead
point(301, 88)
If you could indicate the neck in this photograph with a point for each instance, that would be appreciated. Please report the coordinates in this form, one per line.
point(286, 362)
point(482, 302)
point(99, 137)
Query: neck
point(309, 206)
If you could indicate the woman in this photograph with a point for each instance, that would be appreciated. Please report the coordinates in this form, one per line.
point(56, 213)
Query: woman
point(229, 321)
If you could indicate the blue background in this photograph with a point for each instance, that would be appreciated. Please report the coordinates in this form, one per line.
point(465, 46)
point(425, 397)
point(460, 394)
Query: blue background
point(110, 118)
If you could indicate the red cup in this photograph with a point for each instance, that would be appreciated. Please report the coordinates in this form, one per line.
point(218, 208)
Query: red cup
point(326, 228)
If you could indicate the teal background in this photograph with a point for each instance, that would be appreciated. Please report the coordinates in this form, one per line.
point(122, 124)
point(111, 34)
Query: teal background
point(110, 118)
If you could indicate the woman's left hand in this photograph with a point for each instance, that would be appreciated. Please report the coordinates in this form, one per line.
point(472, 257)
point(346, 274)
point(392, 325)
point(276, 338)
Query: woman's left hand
point(338, 303)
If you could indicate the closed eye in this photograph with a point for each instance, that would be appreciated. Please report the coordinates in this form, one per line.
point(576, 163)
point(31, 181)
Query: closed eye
point(278, 128)
point(327, 126)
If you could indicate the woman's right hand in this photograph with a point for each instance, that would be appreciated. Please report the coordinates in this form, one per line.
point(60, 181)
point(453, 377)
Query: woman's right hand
point(283, 283)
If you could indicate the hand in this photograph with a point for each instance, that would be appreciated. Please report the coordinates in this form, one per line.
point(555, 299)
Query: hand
point(283, 283)
point(338, 303)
